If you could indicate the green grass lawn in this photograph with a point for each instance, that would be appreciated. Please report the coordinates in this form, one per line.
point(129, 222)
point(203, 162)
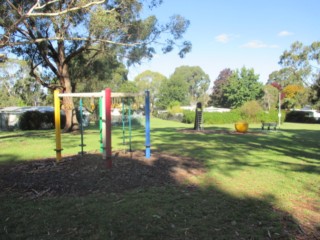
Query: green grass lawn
point(259, 185)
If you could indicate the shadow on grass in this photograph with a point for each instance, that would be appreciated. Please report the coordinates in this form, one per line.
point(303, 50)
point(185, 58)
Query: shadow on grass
point(138, 198)
point(8, 159)
point(301, 145)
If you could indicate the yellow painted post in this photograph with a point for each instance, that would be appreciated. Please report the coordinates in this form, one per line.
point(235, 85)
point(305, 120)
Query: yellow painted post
point(57, 122)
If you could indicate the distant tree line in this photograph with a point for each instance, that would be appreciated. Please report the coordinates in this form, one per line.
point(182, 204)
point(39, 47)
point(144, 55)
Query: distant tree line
point(297, 83)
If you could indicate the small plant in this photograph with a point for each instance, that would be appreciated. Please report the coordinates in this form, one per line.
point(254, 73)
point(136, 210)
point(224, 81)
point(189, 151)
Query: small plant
point(250, 110)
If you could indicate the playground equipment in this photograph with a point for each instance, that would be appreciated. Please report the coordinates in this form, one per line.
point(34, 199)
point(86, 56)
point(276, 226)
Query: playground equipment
point(81, 128)
point(105, 100)
point(126, 123)
point(198, 122)
point(241, 127)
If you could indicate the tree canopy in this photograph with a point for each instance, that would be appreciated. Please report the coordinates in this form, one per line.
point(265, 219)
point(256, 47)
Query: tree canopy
point(171, 91)
point(243, 86)
point(217, 97)
point(149, 80)
point(196, 79)
point(300, 67)
point(16, 86)
point(50, 34)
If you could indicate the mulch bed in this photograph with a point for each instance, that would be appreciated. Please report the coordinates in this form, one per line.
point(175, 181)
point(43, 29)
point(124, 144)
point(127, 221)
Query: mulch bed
point(88, 174)
point(83, 175)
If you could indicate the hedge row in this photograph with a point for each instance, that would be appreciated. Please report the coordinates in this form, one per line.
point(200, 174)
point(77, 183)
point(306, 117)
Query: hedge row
point(34, 120)
point(231, 117)
point(300, 117)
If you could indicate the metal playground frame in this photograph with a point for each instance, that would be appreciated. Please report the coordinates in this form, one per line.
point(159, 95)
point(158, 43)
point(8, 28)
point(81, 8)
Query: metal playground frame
point(105, 118)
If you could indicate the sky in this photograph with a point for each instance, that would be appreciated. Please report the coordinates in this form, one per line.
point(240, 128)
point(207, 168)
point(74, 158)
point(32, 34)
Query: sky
point(235, 34)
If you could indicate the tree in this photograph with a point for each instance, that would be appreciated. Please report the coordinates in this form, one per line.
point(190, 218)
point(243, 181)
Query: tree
point(217, 97)
point(172, 91)
point(49, 34)
point(29, 92)
point(285, 76)
point(16, 87)
point(296, 64)
point(197, 80)
point(151, 81)
point(243, 87)
point(101, 71)
point(270, 97)
point(315, 94)
point(300, 66)
point(295, 96)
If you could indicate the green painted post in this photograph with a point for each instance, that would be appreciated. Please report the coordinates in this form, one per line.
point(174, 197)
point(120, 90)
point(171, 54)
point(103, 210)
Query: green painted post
point(100, 124)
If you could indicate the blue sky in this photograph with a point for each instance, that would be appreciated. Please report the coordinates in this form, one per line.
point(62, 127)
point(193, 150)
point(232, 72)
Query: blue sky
point(237, 33)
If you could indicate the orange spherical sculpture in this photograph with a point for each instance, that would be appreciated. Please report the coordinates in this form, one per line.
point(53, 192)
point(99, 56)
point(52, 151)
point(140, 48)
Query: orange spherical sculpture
point(241, 127)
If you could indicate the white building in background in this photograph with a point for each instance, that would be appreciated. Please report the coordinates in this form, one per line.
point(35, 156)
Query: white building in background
point(9, 116)
point(208, 109)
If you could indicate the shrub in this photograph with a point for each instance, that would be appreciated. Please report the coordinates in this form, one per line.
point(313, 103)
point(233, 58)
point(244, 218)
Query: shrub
point(34, 120)
point(188, 116)
point(31, 120)
point(231, 117)
point(300, 117)
point(170, 116)
point(250, 111)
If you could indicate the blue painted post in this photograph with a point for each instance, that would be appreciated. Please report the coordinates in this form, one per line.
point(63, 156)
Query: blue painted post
point(147, 113)
point(129, 123)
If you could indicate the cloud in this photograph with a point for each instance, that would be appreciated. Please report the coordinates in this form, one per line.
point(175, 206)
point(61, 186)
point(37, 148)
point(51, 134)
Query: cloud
point(224, 38)
point(284, 34)
point(258, 44)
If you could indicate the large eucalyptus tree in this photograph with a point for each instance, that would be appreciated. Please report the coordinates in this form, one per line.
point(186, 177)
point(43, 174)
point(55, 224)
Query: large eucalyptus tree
point(50, 33)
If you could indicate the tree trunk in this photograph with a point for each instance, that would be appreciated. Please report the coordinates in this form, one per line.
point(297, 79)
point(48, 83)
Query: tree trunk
point(67, 103)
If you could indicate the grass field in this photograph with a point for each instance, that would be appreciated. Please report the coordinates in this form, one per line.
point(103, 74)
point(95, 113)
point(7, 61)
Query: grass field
point(259, 185)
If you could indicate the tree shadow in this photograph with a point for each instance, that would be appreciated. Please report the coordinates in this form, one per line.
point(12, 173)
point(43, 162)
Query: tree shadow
point(157, 198)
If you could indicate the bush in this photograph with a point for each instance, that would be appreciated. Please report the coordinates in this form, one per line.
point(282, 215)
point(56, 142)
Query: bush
point(31, 120)
point(232, 117)
point(170, 116)
point(300, 117)
point(213, 118)
point(34, 120)
point(250, 111)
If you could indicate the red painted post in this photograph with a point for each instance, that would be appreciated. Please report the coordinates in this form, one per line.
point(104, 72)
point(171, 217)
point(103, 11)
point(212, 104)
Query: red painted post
point(108, 127)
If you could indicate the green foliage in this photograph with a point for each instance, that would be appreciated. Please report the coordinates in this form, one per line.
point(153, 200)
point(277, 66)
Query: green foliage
point(174, 108)
point(243, 86)
point(16, 87)
point(31, 120)
point(35, 120)
point(250, 111)
point(232, 117)
point(171, 91)
point(315, 94)
point(295, 64)
point(197, 80)
point(151, 81)
point(99, 70)
point(270, 97)
point(217, 97)
point(300, 117)
point(50, 43)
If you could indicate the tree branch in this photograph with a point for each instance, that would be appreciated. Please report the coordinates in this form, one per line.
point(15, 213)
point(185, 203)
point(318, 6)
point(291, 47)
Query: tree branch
point(54, 14)
point(39, 40)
